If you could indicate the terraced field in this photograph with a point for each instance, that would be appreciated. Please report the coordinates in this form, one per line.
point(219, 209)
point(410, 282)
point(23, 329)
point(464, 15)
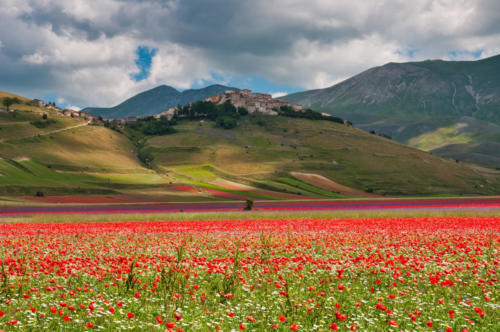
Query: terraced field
point(263, 151)
point(256, 160)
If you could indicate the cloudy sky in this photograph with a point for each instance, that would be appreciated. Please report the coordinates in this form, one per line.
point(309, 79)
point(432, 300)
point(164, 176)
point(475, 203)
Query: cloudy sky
point(100, 52)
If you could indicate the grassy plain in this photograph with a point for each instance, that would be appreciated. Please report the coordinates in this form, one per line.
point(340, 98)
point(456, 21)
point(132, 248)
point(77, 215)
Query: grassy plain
point(252, 215)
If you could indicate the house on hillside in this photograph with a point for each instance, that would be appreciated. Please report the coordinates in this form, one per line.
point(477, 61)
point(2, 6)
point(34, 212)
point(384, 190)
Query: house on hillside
point(169, 114)
point(85, 115)
point(53, 107)
point(71, 113)
point(38, 102)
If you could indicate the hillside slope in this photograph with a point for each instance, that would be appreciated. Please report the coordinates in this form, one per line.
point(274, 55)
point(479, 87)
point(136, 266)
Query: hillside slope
point(63, 154)
point(265, 150)
point(407, 100)
point(155, 101)
point(264, 157)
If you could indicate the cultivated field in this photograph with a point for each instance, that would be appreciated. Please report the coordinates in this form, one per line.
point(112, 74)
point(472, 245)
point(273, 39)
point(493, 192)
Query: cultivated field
point(366, 273)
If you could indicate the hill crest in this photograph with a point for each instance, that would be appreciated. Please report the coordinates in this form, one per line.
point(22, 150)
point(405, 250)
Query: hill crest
point(156, 101)
point(408, 100)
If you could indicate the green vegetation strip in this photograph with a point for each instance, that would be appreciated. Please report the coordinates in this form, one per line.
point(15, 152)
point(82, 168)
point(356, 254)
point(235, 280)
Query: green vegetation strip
point(251, 215)
point(310, 188)
point(230, 191)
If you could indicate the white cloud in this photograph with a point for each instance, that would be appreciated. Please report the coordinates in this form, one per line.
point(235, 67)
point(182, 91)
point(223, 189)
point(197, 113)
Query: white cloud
point(36, 58)
point(74, 108)
point(177, 66)
point(278, 94)
point(84, 51)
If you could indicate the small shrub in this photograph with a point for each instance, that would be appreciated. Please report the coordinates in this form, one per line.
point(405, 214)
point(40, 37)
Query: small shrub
point(42, 123)
point(249, 205)
point(242, 111)
point(225, 122)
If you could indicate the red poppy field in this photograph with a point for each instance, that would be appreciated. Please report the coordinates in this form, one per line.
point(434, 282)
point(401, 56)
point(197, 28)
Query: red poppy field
point(409, 274)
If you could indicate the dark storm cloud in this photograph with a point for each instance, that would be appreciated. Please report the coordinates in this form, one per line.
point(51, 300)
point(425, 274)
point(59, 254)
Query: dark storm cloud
point(60, 22)
point(237, 27)
point(234, 25)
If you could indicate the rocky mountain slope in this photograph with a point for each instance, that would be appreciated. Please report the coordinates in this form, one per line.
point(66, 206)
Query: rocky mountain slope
point(408, 100)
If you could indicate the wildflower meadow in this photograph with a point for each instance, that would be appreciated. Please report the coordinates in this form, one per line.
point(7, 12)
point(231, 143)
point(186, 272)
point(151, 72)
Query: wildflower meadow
point(385, 274)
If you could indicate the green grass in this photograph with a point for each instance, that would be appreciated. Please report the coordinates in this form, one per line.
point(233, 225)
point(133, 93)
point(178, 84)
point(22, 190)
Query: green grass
point(441, 137)
point(30, 172)
point(196, 172)
point(28, 123)
point(259, 152)
point(310, 188)
point(421, 112)
point(251, 215)
point(230, 191)
point(251, 153)
point(88, 159)
point(133, 178)
point(283, 187)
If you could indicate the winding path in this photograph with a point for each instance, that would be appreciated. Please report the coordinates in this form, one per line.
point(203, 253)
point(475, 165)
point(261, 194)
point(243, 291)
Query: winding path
point(47, 132)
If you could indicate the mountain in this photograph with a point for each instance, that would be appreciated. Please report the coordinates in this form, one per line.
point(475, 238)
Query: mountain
point(266, 157)
point(156, 100)
point(412, 101)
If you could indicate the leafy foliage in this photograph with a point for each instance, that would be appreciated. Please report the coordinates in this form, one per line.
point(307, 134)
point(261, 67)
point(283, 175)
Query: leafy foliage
point(151, 126)
point(226, 122)
point(8, 102)
point(307, 114)
point(42, 123)
point(225, 115)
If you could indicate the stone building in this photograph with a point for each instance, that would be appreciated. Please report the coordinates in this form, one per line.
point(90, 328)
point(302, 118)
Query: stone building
point(253, 102)
point(169, 114)
point(38, 102)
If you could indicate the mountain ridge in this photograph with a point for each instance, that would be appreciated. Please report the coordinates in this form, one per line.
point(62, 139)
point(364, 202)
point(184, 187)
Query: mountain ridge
point(407, 100)
point(378, 85)
point(156, 100)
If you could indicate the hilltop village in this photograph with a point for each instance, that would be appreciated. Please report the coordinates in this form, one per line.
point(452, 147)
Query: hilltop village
point(252, 102)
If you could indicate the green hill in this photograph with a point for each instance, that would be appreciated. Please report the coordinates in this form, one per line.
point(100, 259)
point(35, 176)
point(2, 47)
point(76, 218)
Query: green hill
point(264, 150)
point(155, 101)
point(415, 99)
point(259, 158)
point(64, 155)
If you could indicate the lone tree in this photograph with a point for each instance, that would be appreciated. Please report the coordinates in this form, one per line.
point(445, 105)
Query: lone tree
point(248, 205)
point(8, 102)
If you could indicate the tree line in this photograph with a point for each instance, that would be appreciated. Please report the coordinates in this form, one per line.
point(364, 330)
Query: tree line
point(308, 114)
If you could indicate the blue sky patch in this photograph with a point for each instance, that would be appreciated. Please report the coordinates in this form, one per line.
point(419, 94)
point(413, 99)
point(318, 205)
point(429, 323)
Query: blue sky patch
point(458, 55)
point(145, 55)
point(252, 82)
point(409, 51)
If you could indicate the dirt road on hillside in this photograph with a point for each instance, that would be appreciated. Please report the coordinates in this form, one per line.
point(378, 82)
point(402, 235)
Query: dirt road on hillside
point(48, 132)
